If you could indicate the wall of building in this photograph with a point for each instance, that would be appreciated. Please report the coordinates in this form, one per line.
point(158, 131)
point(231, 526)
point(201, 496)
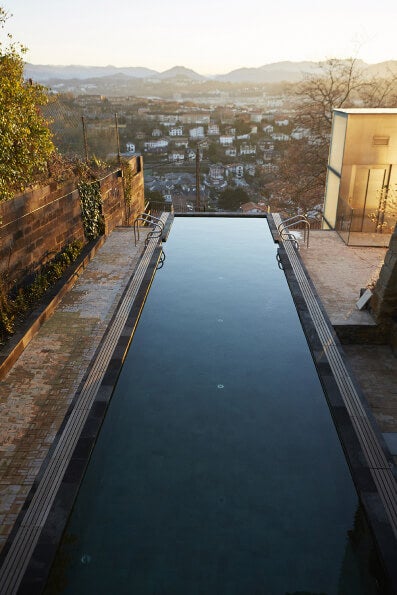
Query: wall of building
point(38, 224)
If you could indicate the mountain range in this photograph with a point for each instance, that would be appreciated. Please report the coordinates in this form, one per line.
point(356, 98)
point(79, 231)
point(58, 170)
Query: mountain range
point(269, 73)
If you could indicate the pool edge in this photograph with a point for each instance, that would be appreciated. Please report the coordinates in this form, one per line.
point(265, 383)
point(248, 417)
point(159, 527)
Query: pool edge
point(361, 471)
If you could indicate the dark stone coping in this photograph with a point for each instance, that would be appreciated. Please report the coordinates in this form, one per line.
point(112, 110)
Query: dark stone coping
point(10, 352)
point(225, 214)
point(376, 515)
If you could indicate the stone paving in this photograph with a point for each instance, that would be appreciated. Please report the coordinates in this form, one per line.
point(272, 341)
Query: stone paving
point(339, 272)
point(36, 394)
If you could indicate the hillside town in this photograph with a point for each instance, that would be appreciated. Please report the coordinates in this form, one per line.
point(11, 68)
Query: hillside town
point(237, 145)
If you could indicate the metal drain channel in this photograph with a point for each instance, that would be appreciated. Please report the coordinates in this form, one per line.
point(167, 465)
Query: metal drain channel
point(26, 538)
point(377, 462)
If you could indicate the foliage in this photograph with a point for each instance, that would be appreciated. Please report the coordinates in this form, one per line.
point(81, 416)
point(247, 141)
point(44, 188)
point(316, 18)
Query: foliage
point(154, 195)
point(25, 137)
point(232, 198)
point(91, 209)
point(15, 305)
point(386, 213)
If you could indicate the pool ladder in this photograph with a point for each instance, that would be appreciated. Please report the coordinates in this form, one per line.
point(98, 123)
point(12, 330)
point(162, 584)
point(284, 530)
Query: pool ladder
point(150, 220)
point(287, 236)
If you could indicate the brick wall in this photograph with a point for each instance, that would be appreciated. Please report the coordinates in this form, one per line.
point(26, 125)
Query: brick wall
point(39, 223)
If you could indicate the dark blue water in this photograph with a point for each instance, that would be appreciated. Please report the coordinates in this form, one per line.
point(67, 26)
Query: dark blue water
point(218, 469)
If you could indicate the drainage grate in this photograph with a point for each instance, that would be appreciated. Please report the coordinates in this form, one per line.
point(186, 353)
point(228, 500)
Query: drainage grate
point(375, 457)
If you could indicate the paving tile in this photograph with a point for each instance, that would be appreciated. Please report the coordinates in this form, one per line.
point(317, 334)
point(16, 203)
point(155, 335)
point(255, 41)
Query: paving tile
point(36, 394)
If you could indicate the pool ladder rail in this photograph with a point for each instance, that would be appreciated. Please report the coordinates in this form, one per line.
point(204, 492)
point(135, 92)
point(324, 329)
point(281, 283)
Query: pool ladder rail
point(150, 220)
point(287, 236)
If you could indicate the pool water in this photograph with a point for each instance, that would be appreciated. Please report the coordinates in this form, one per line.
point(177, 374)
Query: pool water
point(218, 469)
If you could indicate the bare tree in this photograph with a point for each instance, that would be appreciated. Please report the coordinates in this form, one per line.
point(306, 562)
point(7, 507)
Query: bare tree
point(337, 84)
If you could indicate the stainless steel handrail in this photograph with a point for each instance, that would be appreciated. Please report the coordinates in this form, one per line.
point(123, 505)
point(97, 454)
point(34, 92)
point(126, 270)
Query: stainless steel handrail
point(289, 237)
point(148, 219)
point(296, 220)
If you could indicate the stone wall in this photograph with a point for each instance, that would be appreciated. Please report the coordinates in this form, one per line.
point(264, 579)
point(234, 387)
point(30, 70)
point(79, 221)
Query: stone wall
point(37, 224)
point(384, 300)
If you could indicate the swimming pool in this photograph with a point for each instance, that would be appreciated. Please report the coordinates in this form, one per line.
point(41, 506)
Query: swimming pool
point(218, 468)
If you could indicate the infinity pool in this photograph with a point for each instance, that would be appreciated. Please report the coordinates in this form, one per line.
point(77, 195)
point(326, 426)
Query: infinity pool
point(218, 469)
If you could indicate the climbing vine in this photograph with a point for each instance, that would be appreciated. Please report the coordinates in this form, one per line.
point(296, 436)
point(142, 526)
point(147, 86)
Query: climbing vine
point(91, 209)
point(127, 184)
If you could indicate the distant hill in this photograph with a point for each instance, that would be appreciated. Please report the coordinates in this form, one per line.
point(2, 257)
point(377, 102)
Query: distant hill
point(269, 73)
point(181, 72)
point(42, 73)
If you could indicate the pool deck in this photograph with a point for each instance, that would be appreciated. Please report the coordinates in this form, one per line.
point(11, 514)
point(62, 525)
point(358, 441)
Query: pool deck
point(41, 389)
point(338, 273)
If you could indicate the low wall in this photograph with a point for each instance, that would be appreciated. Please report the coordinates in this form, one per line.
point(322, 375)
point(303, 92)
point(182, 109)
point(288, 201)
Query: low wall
point(40, 223)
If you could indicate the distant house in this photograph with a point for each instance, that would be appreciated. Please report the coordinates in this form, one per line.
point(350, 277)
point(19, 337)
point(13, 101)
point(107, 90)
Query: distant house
point(156, 132)
point(299, 133)
point(236, 169)
point(195, 118)
point(156, 145)
point(216, 171)
point(247, 149)
point(231, 151)
point(176, 156)
point(252, 208)
point(256, 116)
point(268, 129)
point(181, 142)
point(197, 132)
point(130, 147)
point(176, 131)
point(225, 140)
point(280, 136)
point(283, 122)
point(213, 130)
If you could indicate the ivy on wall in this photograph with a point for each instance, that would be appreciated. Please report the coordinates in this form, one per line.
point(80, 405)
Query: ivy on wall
point(91, 209)
point(127, 185)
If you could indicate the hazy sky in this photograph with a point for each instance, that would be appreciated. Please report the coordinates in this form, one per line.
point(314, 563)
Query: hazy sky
point(210, 36)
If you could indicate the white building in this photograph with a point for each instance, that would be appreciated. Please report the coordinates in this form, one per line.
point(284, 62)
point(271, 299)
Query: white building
point(226, 140)
point(256, 117)
point(280, 136)
point(176, 131)
point(156, 132)
point(130, 147)
point(236, 169)
point(153, 145)
point(197, 132)
point(176, 156)
point(231, 151)
point(268, 129)
point(213, 129)
point(247, 149)
point(216, 171)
